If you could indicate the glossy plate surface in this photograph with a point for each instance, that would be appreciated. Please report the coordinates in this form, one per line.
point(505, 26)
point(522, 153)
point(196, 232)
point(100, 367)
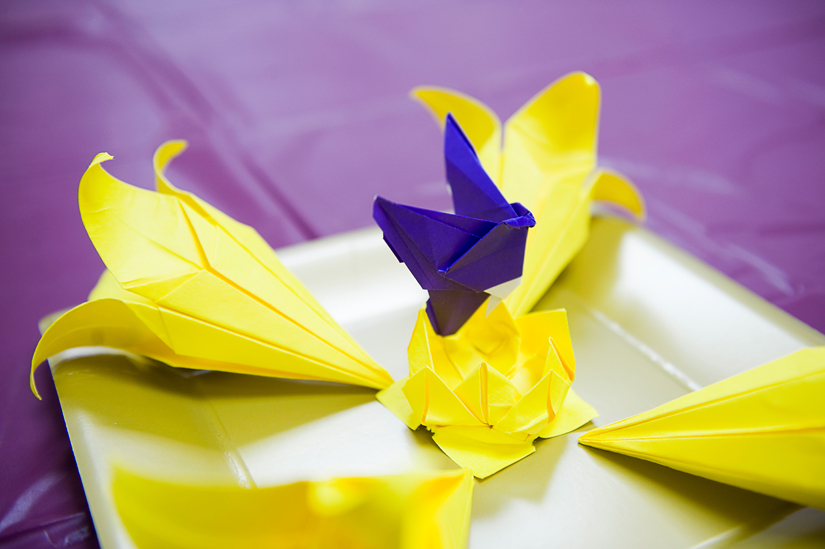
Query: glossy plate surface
point(649, 323)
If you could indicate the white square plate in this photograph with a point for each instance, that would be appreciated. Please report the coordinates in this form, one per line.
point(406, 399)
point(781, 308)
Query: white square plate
point(649, 324)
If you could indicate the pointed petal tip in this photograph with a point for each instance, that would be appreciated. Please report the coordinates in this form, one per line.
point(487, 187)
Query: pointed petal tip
point(424, 94)
point(592, 439)
point(427, 96)
point(584, 439)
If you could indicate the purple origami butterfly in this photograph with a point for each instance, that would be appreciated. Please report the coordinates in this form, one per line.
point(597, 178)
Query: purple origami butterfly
point(459, 259)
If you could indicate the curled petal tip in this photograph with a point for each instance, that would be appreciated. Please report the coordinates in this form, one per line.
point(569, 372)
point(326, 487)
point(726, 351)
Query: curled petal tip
point(589, 80)
point(101, 157)
point(179, 142)
point(168, 150)
point(32, 384)
point(420, 93)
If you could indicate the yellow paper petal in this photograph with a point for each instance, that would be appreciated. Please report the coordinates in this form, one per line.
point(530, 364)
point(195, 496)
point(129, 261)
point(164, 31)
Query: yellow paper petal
point(501, 395)
point(220, 296)
point(460, 358)
point(244, 234)
point(535, 328)
point(128, 326)
point(482, 458)
point(107, 286)
point(551, 139)
point(537, 407)
point(473, 393)
point(486, 451)
point(762, 430)
point(249, 239)
point(561, 230)
point(434, 403)
point(394, 399)
point(103, 322)
point(480, 124)
point(487, 394)
point(612, 187)
point(495, 337)
point(404, 511)
point(426, 349)
point(418, 351)
point(447, 498)
point(574, 413)
point(482, 433)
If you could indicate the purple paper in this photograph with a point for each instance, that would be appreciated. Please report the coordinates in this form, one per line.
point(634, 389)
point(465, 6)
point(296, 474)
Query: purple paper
point(458, 257)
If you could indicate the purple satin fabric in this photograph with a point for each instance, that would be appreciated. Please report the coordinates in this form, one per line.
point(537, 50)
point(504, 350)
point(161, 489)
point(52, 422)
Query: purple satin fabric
point(297, 114)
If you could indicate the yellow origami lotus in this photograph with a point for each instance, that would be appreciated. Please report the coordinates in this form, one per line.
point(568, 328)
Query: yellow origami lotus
point(489, 390)
point(412, 511)
point(762, 430)
point(193, 288)
point(548, 164)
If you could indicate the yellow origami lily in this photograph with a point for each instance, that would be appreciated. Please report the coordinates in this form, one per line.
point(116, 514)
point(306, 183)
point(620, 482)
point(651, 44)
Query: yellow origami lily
point(191, 287)
point(762, 430)
point(548, 164)
point(412, 511)
point(489, 390)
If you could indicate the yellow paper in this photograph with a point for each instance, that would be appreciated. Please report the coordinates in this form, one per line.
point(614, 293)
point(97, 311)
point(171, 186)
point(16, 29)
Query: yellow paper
point(193, 288)
point(489, 390)
point(548, 163)
point(762, 430)
point(412, 511)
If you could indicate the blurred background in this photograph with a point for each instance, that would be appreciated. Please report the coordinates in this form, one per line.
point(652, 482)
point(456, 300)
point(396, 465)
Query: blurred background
point(297, 114)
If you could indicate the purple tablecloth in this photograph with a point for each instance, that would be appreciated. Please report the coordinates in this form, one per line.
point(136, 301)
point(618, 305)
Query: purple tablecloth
point(297, 114)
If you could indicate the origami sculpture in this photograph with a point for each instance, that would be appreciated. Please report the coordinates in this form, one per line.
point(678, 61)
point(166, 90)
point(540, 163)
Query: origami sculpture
point(411, 511)
point(460, 259)
point(489, 388)
point(548, 164)
point(762, 430)
point(191, 287)
point(488, 391)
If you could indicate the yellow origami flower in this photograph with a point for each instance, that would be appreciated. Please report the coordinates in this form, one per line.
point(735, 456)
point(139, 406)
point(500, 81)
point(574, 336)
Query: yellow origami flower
point(548, 164)
point(191, 287)
point(497, 384)
point(489, 390)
